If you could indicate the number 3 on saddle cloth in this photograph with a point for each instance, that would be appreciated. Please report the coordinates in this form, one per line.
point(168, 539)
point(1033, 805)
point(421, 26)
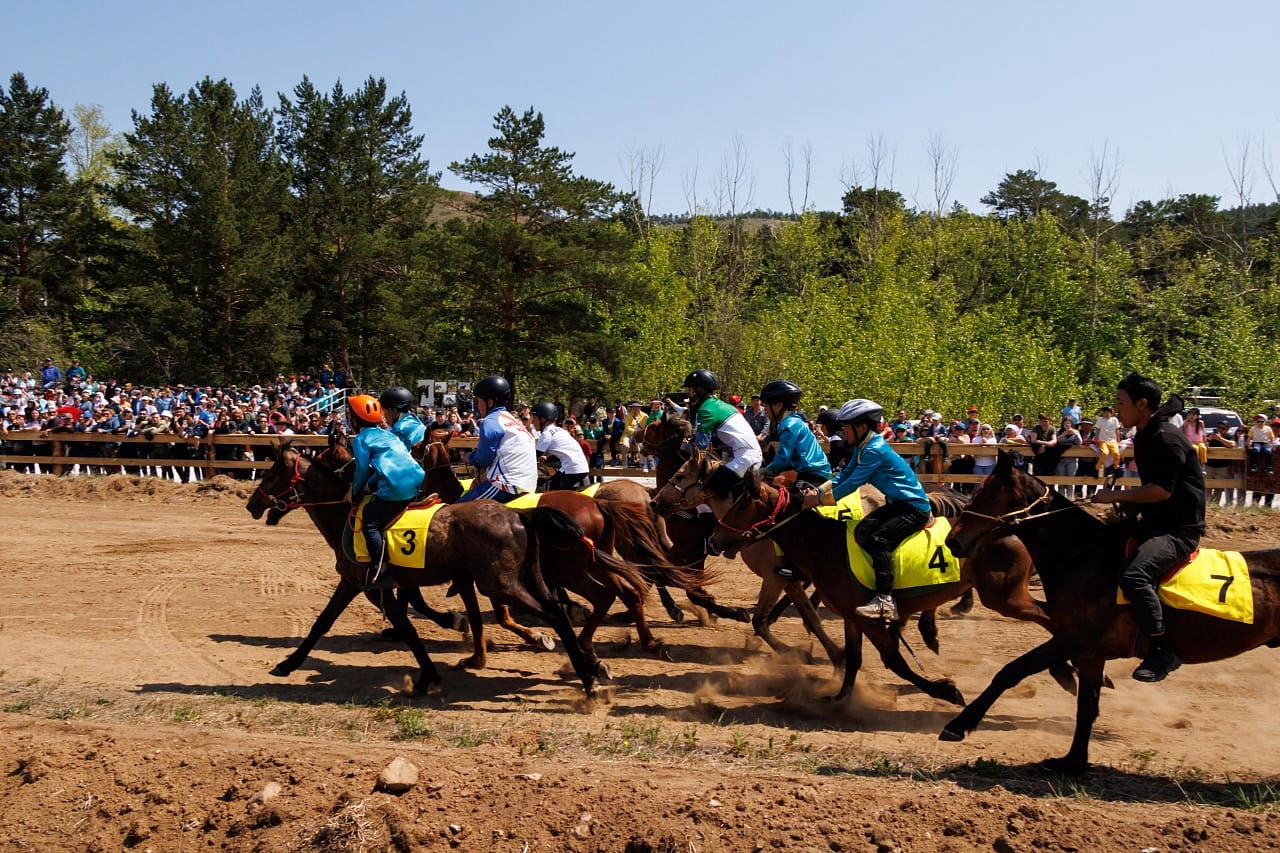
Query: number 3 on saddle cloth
point(1213, 582)
point(406, 535)
point(920, 564)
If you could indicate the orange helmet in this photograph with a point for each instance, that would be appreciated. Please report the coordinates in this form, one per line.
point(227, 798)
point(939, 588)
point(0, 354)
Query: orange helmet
point(365, 407)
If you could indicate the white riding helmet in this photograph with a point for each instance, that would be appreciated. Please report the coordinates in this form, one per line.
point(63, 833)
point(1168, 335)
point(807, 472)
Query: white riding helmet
point(861, 410)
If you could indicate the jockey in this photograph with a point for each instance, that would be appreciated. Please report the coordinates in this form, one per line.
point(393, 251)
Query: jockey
point(798, 448)
point(715, 418)
point(838, 449)
point(561, 450)
point(397, 406)
point(384, 465)
point(906, 510)
point(506, 448)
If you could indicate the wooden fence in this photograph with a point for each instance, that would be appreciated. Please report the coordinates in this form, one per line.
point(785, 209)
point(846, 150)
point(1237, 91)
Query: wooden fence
point(57, 452)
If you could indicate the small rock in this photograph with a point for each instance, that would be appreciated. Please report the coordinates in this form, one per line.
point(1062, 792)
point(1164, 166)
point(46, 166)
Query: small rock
point(807, 794)
point(714, 803)
point(455, 828)
point(269, 792)
point(532, 777)
point(398, 776)
point(1002, 845)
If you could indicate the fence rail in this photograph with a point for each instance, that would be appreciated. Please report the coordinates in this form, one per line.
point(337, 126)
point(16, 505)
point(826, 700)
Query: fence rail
point(56, 452)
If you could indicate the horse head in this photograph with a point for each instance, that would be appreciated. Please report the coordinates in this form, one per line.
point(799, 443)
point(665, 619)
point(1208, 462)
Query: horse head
point(665, 436)
point(277, 491)
point(1003, 500)
point(745, 512)
point(684, 489)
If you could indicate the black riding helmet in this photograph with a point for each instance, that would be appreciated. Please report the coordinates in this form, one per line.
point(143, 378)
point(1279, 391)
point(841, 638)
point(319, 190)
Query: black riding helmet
point(703, 380)
point(546, 411)
point(830, 420)
point(397, 397)
point(781, 391)
point(495, 388)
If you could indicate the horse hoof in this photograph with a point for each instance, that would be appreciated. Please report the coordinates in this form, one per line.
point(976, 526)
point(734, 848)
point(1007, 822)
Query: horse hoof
point(547, 642)
point(1107, 682)
point(603, 672)
point(432, 689)
point(664, 654)
point(951, 735)
point(460, 623)
point(1065, 766)
point(677, 615)
point(282, 670)
point(388, 635)
point(472, 662)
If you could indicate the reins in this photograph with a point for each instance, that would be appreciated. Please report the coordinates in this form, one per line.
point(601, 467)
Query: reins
point(290, 497)
point(766, 525)
point(1020, 516)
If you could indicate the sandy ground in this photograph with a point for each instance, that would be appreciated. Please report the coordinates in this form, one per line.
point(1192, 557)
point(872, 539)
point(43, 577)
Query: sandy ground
point(139, 621)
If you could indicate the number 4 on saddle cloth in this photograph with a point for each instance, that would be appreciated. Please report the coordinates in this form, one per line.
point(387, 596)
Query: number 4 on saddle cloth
point(1213, 582)
point(920, 564)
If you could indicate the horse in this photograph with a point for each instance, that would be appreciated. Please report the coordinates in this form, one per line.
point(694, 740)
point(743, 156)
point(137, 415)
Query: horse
point(625, 527)
point(476, 546)
point(817, 545)
point(1079, 558)
point(687, 532)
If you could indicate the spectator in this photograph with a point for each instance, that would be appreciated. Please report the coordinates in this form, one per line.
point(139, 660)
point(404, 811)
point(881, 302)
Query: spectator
point(984, 465)
point(1219, 468)
point(1261, 440)
point(1067, 438)
point(1071, 410)
point(75, 372)
point(50, 375)
point(758, 419)
point(1043, 437)
point(1193, 429)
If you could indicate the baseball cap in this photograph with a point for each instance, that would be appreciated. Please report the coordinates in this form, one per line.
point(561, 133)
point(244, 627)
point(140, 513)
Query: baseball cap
point(973, 409)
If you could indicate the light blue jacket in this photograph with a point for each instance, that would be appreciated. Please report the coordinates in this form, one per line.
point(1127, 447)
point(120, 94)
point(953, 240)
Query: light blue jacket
point(798, 449)
point(410, 429)
point(384, 465)
point(877, 463)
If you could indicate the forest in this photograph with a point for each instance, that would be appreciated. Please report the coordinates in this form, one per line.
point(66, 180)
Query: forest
point(226, 237)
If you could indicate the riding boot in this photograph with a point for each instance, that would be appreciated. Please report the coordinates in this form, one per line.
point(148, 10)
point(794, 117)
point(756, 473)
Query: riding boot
point(379, 577)
point(1161, 660)
point(788, 571)
point(882, 606)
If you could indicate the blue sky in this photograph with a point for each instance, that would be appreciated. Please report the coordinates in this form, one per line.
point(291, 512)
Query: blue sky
point(1172, 87)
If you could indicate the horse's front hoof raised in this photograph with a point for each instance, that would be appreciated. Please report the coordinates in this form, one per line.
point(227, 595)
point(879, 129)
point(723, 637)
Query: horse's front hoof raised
point(954, 696)
point(547, 642)
point(951, 735)
point(677, 615)
point(283, 669)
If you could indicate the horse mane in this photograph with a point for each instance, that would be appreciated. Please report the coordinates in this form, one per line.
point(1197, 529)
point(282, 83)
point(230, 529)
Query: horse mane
point(947, 503)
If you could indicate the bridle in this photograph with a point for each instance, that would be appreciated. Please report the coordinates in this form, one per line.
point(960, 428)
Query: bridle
point(290, 497)
point(764, 526)
point(1020, 516)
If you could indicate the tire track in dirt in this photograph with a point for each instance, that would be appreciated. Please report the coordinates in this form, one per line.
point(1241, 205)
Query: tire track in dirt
point(153, 622)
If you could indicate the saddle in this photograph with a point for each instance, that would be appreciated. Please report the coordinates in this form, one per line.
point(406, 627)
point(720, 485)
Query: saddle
point(1213, 582)
point(406, 535)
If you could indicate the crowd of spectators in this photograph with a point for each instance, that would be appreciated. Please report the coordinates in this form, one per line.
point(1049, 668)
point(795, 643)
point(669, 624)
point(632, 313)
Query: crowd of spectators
point(74, 401)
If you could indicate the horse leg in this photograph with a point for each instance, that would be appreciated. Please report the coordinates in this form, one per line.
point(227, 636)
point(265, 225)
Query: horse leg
point(886, 640)
point(1048, 653)
point(771, 589)
point(808, 611)
point(428, 676)
point(852, 659)
point(650, 643)
point(502, 613)
point(479, 655)
point(585, 665)
point(450, 620)
point(928, 627)
point(343, 595)
point(673, 610)
point(1076, 761)
point(707, 601)
point(964, 605)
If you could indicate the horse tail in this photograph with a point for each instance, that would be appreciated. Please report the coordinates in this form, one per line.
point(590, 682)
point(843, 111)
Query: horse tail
point(947, 503)
point(638, 541)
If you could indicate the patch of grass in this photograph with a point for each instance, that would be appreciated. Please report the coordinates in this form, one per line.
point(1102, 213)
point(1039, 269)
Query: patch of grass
point(68, 712)
point(689, 738)
point(1143, 757)
point(183, 715)
point(1255, 797)
point(468, 737)
point(411, 723)
point(17, 707)
point(987, 768)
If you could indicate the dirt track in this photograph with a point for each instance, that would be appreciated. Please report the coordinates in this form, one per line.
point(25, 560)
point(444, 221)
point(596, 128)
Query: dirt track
point(139, 619)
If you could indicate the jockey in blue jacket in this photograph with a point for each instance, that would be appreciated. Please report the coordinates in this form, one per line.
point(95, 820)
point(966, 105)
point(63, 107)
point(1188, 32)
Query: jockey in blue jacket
point(798, 449)
point(907, 508)
point(393, 476)
point(505, 449)
point(397, 407)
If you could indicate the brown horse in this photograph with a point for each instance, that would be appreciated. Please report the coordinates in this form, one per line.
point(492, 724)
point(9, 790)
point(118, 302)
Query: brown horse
point(626, 528)
point(817, 545)
point(479, 545)
point(687, 532)
point(1079, 558)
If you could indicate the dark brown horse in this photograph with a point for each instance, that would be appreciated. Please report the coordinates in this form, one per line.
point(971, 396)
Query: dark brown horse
point(476, 546)
point(817, 546)
point(625, 527)
point(1079, 558)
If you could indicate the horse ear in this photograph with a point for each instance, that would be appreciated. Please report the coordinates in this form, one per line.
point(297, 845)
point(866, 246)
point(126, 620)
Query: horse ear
point(1004, 465)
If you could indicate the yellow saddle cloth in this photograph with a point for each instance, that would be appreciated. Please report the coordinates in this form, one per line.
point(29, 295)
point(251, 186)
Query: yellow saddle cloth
point(1213, 582)
point(920, 564)
point(531, 499)
point(406, 536)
